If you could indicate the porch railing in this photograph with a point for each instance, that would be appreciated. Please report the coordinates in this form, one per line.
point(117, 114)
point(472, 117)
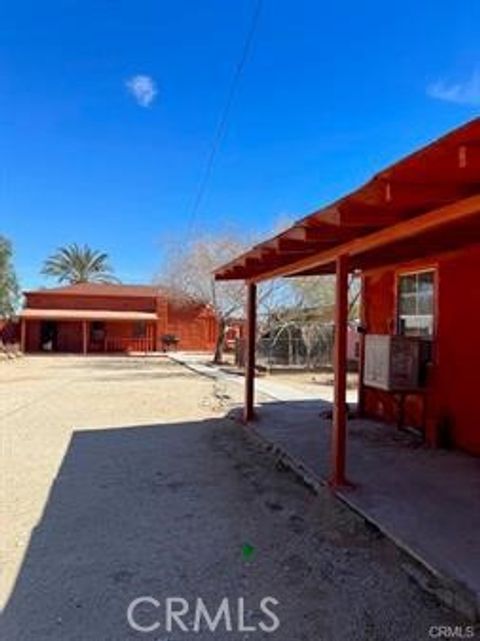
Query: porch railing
point(119, 344)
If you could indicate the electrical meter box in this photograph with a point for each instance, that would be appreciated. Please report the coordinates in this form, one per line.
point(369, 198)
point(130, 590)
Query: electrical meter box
point(395, 363)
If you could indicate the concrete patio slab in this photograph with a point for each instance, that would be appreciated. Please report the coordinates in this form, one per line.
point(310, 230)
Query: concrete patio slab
point(426, 500)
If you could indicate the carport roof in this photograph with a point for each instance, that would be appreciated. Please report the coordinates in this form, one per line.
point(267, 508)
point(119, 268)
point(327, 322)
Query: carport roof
point(86, 314)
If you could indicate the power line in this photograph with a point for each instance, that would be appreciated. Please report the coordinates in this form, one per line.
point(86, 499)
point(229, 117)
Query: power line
point(222, 125)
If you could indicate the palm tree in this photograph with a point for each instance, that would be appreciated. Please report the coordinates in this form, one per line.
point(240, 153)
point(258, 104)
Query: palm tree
point(76, 264)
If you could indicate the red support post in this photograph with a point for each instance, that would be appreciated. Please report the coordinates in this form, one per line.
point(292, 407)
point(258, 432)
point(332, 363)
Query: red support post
point(361, 368)
point(339, 428)
point(23, 335)
point(85, 336)
point(251, 314)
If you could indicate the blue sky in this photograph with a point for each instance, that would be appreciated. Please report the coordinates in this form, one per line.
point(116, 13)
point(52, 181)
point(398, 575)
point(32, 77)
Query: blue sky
point(331, 93)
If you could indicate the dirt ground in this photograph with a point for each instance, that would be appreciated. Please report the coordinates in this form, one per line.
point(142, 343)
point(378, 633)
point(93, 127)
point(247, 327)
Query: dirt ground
point(43, 400)
point(121, 478)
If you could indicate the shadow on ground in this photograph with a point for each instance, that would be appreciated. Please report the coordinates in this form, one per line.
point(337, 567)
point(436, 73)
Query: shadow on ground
point(165, 510)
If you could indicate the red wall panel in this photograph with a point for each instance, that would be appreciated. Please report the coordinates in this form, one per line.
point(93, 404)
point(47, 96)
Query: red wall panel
point(194, 326)
point(455, 380)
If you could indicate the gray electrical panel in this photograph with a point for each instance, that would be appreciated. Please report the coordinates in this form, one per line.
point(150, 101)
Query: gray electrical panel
point(393, 363)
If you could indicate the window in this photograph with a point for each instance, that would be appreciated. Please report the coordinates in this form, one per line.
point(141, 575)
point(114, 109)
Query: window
point(416, 304)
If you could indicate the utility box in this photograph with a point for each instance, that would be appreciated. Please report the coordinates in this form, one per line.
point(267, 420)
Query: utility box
point(395, 363)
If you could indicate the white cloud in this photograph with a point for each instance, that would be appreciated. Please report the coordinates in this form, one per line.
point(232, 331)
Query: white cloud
point(462, 93)
point(143, 89)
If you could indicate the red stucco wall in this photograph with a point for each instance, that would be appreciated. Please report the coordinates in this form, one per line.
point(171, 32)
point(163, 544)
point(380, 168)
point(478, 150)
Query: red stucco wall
point(194, 326)
point(455, 380)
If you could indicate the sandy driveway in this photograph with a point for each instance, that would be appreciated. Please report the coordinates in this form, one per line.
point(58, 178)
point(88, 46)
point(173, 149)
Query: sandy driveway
point(120, 478)
point(43, 400)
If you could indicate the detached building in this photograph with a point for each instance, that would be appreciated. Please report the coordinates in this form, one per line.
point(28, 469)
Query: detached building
point(104, 318)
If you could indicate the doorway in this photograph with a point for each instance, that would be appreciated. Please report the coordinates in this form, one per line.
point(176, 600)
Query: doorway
point(48, 336)
point(97, 337)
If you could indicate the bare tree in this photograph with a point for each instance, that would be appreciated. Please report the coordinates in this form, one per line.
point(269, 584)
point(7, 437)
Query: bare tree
point(310, 334)
point(189, 272)
point(319, 291)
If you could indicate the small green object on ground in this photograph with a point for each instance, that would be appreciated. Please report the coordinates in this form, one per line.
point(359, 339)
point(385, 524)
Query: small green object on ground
point(247, 550)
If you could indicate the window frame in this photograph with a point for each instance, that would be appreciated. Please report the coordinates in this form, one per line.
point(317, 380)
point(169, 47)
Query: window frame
point(415, 271)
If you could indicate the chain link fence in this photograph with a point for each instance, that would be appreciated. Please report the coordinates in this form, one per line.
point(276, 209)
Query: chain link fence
point(308, 346)
point(305, 352)
point(305, 347)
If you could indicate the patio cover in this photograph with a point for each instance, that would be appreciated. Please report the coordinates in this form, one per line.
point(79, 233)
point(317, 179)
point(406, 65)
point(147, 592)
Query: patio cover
point(426, 201)
point(86, 314)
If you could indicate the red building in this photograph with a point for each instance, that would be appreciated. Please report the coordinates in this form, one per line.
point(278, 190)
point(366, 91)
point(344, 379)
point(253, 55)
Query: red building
point(98, 318)
point(413, 235)
point(234, 331)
